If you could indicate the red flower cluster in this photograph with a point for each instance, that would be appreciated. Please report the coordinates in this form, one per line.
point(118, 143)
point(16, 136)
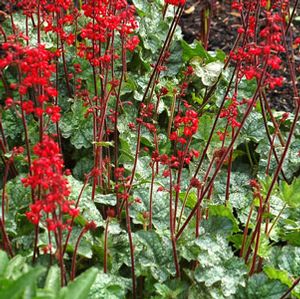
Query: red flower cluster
point(47, 10)
point(50, 186)
point(30, 7)
point(132, 43)
point(36, 70)
point(146, 114)
point(231, 112)
point(107, 17)
point(263, 45)
point(175, 2)
point(189, 124)
point(174, 161)
point(58, 28)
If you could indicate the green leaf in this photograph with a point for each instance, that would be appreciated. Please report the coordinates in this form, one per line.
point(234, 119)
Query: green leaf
point(239, 188)
point(106, 199)
point(152, 28)
point(208, 73)
point(263, 149)
point(147, 138)
point(109, 286)
point(53, 280)
point(80, 287)
point(221, 55)
point(75, 125)
point(119, 250)
point(292, 161)
point(126, 149)
point(287, 259)
point(12, 124)
point(253, 128)
point(259, 286)
point(285, 266)
point(291, 236)
point(89, 211)
point(191, 199)
point(280, 275)
point(15, 267)
point(246, 88)
point(197, 291)
point(83, 166)
point(222, 211)
point(3, 261)
point(160, 205)
point(206, 122)
point(194, 50)
point(218, 225)
point(129, 85)
point(141, 6)
point(172, 289)
point(18, 198)
point(290, 194)
point(264, 246)
point(174, 63)
point(104, 143)
point(44, 294)
point(218, 267)
point(154, 252)
point(14, 290)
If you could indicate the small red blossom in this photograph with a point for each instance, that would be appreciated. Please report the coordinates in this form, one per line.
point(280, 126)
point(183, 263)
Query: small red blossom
point(90, 225)
point(297, 41)
point(194, 182)
point(119, 173)
point(284, 117)
point(9, 102)
point(166, 173)
point(176, 188)
point(254, 184)
point(110, 212)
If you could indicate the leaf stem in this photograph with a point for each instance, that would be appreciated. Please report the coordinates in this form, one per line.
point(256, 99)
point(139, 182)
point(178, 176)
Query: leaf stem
point(105, 245)
point(172, 233)
point(131, 249)
point(73, 267)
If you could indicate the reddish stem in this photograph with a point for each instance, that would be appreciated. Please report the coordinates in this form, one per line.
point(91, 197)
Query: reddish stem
point(219, 165)
point(131, 250)
point(227, 193)
point(245, 234)
point(105, 245)
point(73, 267)
point(6, 242)
point(172, 232)
point(151, 195)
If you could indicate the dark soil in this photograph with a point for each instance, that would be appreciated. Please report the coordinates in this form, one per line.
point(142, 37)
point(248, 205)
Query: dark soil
point(222, 35)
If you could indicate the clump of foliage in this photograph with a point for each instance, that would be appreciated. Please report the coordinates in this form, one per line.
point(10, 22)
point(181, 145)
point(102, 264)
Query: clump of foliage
point(134, 164)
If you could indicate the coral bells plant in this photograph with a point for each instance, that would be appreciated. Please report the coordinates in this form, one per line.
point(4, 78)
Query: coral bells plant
point(51, 207)
point(51, 189)
point(136, 165)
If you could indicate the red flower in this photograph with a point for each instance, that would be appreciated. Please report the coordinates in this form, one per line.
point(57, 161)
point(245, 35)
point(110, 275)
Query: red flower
point(132, 43)
point(166, 173)
point(175, 2)
point(9, 102)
